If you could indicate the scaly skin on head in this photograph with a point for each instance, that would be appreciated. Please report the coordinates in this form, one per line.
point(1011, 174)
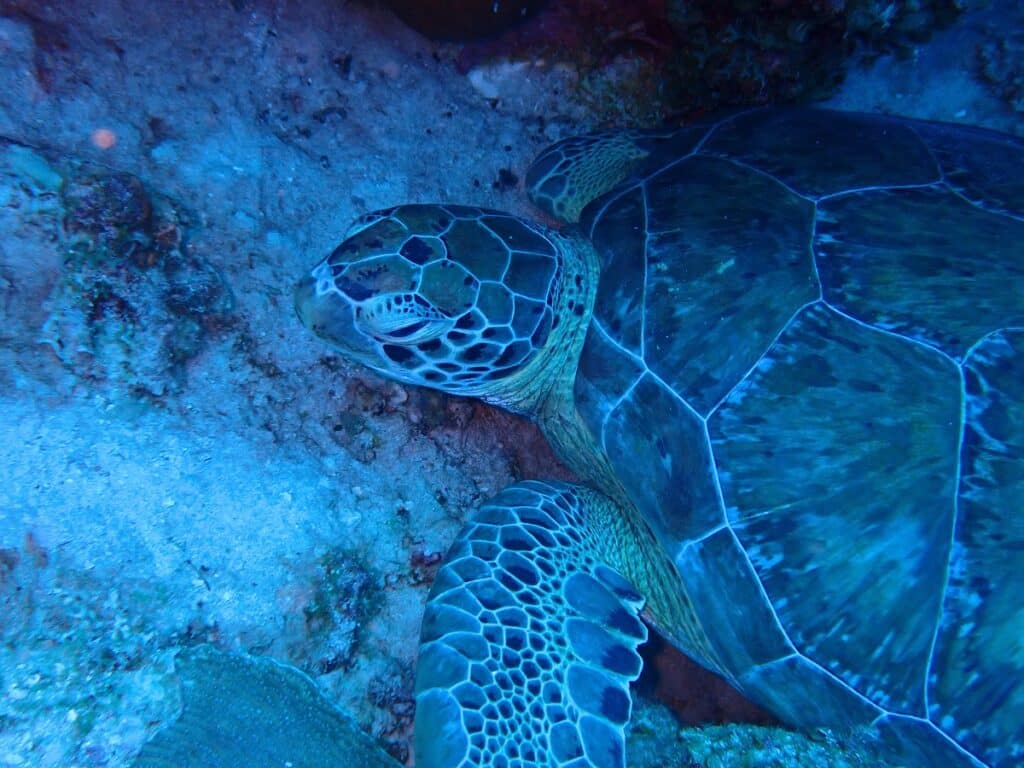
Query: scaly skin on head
point(466, 300)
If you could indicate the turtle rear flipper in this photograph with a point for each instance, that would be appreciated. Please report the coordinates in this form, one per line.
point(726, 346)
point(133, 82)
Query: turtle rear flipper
point(529, 642)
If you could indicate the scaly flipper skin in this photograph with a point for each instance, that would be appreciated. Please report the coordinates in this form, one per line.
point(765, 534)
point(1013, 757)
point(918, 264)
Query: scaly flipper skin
point(568, 175)
point(529, 642)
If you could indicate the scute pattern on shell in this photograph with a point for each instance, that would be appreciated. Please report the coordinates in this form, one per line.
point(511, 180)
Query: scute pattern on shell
point(808, 333)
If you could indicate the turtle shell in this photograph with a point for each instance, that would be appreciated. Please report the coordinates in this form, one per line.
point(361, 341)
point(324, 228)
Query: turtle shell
point(806, 365)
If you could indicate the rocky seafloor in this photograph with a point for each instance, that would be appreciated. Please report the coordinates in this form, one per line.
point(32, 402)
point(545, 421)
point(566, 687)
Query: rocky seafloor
point(182, 464)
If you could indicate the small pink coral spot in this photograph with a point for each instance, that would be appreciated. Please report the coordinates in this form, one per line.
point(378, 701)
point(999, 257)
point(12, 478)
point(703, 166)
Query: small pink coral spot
point(104, 138)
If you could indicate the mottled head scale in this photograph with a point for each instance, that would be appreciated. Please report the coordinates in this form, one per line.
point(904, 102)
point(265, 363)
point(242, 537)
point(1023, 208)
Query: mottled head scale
point(451, 297)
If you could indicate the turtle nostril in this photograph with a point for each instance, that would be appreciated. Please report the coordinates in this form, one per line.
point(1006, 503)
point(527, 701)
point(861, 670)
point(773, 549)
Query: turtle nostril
point(304, 297)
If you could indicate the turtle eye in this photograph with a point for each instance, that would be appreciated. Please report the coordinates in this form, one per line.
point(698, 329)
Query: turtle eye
point(409, 330)
point(401, 319)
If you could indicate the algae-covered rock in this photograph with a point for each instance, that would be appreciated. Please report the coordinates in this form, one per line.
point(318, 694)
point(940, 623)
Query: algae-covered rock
point(656, 740)
point(462, 19)
point(247, 711)
point(751, 746)
point(345, 598)
point(134, 303)
point(1000, 54)
point(744, 51)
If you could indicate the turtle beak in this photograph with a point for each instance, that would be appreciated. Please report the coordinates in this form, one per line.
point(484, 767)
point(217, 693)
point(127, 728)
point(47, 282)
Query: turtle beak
point(308, 304)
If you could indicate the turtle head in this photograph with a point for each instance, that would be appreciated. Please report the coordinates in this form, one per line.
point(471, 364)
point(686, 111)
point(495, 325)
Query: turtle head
point(461, 299)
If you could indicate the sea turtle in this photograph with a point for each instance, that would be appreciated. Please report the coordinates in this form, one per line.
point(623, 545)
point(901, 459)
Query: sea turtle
point(784, 350)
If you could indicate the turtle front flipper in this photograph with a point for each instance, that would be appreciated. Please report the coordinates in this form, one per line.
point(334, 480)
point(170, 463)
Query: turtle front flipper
point(529, 642)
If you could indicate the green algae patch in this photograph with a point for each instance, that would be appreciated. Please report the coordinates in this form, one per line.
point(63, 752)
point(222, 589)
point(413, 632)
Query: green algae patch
point(750, 746)
point(243, 710)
